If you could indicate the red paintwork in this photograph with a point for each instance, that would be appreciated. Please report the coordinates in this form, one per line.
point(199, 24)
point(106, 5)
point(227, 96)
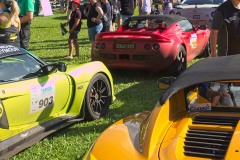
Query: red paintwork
point(169, 40)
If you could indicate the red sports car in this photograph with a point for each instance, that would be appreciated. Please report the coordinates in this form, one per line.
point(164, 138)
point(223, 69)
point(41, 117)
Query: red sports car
point(152, 42)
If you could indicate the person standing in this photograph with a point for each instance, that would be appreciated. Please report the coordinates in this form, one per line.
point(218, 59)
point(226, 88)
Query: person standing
point(115, 14)
point(144, 7)
point(9, 23)
point(94, 20)
point(225, 29)
point(106, 15)
point(74, 28)
point(126, 8)
point(26, 16)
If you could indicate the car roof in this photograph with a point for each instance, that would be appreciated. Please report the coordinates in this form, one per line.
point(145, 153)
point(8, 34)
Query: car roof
point(8, 50)
point(205, 70)
point(169, 19)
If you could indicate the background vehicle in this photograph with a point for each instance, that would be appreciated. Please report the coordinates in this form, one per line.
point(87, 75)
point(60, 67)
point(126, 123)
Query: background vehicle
point(197, 11)
point(153, 42)
point(38, 98)
point(184, 124)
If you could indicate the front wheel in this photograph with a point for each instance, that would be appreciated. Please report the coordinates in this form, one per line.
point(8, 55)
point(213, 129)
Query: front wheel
point(98, 97)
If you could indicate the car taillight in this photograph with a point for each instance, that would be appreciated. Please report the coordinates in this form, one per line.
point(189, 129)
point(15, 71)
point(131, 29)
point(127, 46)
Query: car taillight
point(98, 45)
point(212, 14)
point(147, 46)
point(103, 46)
point(156, 46)
point(178, 13)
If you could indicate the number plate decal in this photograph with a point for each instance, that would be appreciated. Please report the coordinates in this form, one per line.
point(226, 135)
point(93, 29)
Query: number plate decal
point(42, 96)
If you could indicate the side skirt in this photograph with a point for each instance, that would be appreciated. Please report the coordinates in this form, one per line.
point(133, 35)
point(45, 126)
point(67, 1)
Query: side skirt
point(23, 140)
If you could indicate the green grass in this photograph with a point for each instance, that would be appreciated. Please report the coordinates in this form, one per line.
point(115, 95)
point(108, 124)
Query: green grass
point(135, 91)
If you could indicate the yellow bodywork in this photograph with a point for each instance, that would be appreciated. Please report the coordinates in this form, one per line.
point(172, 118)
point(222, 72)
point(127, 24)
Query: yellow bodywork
point(161, 133)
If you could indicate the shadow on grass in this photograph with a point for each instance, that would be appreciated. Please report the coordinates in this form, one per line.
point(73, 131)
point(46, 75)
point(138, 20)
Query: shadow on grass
point(65, 39)
point(63, 17)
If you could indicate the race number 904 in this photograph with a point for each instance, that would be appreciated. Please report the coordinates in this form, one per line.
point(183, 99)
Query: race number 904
point(48, 101)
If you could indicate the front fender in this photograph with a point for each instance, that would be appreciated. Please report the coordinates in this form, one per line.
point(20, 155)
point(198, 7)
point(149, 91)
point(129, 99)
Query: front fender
point(122, 139)
point(81, 77)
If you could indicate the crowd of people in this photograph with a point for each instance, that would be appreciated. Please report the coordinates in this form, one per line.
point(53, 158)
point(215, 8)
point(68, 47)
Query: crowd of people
point(15, 21)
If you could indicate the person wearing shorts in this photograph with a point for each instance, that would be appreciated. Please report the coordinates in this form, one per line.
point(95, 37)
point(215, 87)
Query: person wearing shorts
point(94, 20)
point(74, 28)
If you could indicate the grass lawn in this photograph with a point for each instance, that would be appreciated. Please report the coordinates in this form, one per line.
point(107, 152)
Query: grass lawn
point(135, 91)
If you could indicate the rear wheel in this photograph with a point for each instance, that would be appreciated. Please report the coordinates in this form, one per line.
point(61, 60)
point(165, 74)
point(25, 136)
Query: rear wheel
point(207, 50)
point(98, 97)
point(180, 63)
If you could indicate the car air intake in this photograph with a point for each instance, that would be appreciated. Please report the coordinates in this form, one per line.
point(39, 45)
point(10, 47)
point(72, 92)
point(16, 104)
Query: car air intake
point(216, 120)
point(207, 143)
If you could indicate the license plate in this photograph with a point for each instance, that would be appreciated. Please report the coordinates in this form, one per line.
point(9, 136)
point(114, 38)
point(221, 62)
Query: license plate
point(196, 16)
point(125, 46)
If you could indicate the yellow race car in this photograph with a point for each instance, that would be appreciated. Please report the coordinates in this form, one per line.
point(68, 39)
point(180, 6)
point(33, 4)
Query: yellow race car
point(38, 98)
point(197, 117)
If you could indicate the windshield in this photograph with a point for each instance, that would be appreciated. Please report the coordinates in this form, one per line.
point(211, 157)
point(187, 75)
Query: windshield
point(147, 23)
point(13, 68)
point(203, 1)
point(215, 96)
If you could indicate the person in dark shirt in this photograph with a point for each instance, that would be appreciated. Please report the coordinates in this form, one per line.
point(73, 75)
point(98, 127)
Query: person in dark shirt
point(126, 8)
point(106, 15)
point(74, 28)
point(225, 29)
point(94, 20)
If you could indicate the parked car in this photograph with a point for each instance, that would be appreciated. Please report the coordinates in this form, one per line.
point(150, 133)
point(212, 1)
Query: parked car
point(197, 11)
point(38, 98)
point(184, 124)
point(152, 42)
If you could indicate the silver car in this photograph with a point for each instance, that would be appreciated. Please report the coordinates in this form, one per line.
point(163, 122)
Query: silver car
point(197, 11)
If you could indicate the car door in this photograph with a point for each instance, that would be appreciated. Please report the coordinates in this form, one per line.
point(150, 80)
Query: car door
point(34, 98)
point(191, 38)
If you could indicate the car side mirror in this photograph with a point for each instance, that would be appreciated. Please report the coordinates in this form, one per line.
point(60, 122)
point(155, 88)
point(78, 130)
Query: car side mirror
point(52, 67)
point(62, 67)
point(165, 82)
point(203, 27)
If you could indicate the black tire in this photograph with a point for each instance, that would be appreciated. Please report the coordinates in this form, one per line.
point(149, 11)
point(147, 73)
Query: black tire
point(97, 97)
point(207, 50)
point(180, 63)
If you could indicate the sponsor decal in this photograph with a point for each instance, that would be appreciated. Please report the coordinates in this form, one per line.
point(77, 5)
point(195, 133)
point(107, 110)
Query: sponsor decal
point(42, 96)
point(193, 40)
point(200, 107)
point(8, 49)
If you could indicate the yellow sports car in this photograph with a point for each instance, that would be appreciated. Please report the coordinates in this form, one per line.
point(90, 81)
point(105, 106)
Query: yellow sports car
point(38, 98)
point(197, 117)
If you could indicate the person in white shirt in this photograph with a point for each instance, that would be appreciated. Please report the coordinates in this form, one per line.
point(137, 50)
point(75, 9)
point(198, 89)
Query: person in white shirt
point(144, 7)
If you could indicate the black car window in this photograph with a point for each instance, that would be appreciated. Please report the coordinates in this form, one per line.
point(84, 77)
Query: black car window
point(186, 26)
point(13, 68)
point(215, 96)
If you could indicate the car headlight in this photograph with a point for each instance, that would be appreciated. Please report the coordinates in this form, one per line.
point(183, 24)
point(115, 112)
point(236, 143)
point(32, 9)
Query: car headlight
point(3, 117)
point(1, 109)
